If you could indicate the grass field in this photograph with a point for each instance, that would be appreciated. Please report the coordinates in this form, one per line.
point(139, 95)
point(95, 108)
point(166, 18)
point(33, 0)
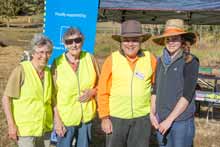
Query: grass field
point(16, 39)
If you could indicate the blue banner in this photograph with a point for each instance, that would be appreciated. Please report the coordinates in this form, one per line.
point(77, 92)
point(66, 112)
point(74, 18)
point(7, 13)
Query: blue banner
point(60, 15)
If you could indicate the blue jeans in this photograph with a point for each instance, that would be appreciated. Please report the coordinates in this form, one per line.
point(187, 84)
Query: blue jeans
point(180, 134)
point(82, 133)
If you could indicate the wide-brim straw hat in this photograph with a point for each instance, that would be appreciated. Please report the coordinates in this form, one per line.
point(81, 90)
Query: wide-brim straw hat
point(175, 27)
point(131, 28)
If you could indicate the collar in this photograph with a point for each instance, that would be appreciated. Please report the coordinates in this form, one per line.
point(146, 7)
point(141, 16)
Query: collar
point(166, 58)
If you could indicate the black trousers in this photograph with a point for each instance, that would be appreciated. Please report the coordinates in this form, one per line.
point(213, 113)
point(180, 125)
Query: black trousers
point(129, 132)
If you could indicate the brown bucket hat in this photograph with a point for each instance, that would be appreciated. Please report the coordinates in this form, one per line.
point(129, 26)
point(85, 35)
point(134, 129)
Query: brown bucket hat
point(131, 28)
point(175, 27)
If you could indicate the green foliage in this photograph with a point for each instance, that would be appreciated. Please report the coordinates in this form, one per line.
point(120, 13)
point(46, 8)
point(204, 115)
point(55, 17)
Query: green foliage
point(10, 8)
point(7, 8)
point(33, 7)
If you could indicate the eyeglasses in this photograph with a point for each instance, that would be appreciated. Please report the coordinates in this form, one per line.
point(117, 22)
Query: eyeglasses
point(70, 41)
point(48, 53)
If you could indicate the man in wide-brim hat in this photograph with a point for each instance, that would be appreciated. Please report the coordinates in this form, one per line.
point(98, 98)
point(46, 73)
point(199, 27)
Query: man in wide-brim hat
point(124, 89)
point(172, 103)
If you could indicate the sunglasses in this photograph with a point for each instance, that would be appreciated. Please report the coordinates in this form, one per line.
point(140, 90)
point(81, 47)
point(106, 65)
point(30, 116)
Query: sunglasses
point(70, 41)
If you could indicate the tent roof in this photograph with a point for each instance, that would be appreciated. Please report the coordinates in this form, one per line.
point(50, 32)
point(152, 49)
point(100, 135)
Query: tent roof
point(158, 11)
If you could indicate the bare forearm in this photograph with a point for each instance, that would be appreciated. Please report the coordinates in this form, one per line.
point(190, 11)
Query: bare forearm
point(59, 126)
point(153, 104)
point(153, 117)
point(56, 114)
point(6, 102)
point(179, 109)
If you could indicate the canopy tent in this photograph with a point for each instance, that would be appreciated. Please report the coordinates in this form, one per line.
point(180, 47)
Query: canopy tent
point(205, 12)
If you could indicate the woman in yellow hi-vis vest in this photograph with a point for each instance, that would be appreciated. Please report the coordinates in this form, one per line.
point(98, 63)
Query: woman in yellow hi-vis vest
point(75, 77)
point(28, 95)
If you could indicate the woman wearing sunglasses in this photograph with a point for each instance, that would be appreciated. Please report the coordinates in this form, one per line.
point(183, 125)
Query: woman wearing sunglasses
point(75, 76)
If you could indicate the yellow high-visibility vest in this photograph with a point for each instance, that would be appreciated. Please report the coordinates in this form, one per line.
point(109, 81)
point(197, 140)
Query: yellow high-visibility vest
point(131, 90)
point(32, 111)
point(70, 85)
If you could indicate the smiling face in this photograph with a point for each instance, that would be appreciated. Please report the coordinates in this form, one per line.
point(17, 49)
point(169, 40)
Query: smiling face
point(173, 43)
point(41, 55)
point(131, 46)
point(74, 44)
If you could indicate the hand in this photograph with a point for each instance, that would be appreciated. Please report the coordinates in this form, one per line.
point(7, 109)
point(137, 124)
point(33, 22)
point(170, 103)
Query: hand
point(13, 132)
point(60, 128)
point(106, 125)
point(87, 95)
point(164, 126)
point(154, 121)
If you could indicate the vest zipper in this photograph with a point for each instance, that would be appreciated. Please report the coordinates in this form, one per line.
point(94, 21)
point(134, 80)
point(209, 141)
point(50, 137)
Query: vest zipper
point(77, 75)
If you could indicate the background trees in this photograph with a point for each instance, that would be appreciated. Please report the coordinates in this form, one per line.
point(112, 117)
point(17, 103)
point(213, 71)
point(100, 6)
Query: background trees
point(12, 8)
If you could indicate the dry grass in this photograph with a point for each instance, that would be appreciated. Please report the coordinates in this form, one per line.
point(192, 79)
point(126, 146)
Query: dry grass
point(207, 51)
point(207, 134)
point(9, 58)
point(207, 130)
point(16, 40)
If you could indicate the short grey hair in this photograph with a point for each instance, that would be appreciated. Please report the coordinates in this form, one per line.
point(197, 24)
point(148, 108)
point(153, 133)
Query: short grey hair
point(72, 31)
point(38, 40)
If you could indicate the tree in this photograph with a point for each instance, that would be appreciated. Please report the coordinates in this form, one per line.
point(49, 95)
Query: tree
point(11, 8)
point(7, 10)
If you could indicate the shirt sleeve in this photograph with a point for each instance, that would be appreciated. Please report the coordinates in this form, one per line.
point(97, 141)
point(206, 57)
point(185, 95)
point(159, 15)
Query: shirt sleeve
point(190, 78)
point(153, 65)
point(154, 85)
point(14, 83)
point(104, 87)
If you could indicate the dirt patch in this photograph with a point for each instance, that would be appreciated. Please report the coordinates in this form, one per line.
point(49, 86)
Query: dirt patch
point(9, 59)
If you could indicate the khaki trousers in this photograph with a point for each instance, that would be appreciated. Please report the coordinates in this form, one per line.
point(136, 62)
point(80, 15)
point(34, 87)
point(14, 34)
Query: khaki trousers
point(32, 141)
